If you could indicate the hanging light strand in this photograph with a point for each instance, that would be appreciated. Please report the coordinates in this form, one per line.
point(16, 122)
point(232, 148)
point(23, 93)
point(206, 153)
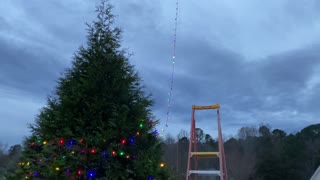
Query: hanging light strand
point(169, 103)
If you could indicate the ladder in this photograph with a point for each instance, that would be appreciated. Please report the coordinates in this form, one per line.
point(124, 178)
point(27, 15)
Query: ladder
point(193, 153)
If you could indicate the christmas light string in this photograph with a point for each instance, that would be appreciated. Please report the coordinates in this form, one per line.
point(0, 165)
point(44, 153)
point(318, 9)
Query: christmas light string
point(76, 146)
point(70, 148)
point(173, 68)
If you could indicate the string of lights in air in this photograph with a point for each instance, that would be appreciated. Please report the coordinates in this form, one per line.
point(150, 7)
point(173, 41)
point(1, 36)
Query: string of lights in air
point(173, 68)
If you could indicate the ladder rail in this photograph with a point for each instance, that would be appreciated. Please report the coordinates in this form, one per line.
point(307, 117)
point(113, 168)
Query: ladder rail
point(223, 166)
point(195, 148)
point(220, 147)
point(190, 146)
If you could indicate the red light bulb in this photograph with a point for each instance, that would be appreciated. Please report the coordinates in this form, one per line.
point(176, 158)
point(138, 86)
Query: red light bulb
point(79, 172)
point(93, 151)
point(61, 141)
point(123, 141)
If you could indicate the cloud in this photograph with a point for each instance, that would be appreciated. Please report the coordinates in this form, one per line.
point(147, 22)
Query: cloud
point(259, 60)
point(17, 111)
point(26, 69)
point(269, 90)
point(312, 102)
point(253, 29)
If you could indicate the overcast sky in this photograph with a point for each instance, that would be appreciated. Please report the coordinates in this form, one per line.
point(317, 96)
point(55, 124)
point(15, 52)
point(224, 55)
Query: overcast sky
point(259, 59)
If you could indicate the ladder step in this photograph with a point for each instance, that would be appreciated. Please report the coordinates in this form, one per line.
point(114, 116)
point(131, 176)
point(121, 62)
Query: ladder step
point(205, 172)
point(205, 154)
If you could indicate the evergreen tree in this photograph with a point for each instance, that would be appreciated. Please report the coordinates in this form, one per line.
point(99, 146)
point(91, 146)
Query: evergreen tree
point(98, 123)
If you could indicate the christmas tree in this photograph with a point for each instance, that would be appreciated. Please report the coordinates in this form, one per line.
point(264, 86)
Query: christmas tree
point(98, 123)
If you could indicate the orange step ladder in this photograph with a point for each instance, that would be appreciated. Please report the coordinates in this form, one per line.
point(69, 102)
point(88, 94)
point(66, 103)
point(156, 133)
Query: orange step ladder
point(193, 153)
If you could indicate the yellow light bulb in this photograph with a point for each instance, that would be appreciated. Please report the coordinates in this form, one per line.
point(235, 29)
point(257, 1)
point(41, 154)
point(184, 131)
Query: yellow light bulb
point(44, 142)
point(162, 165)
point(57, 168)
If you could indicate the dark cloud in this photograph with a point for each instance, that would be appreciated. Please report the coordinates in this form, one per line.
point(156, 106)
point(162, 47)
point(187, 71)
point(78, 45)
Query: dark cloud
point(303, 11)
point(290, 71)
point(244, 89)
point(312, 103)
point(28, 69)
point(3, 23)
point(286, 75)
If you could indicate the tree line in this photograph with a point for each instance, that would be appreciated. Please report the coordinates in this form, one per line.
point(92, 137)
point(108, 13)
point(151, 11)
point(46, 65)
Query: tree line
point(9, 159)
point(254, 154)
point(259, 153)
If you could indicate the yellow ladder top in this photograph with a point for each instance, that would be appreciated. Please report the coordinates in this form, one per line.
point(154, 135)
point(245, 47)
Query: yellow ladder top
point(215, 106)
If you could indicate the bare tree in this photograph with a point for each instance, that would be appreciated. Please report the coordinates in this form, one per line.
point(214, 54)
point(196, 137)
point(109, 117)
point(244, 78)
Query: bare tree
point(4, 159)
point(200, 135)
point(246, 132)
point(183, 134)
point(169, 139)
